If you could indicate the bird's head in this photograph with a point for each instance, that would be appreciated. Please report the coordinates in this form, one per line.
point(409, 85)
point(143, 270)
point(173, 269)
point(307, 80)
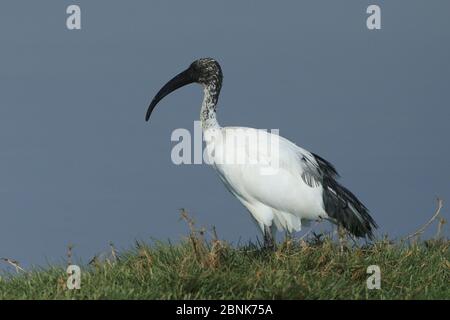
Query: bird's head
point(204, 71)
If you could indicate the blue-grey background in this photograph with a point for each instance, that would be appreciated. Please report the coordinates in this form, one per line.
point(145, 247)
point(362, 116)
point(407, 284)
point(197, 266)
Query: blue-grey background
point(79, 165)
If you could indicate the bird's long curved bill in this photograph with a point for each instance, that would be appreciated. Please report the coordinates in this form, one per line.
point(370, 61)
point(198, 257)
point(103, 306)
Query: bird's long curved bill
point(180, 80)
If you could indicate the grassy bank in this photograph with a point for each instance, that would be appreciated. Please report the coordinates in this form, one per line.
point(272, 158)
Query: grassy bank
point(198, 269)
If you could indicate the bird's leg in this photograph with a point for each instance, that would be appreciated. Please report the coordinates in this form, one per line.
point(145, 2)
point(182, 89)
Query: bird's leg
point(269, 241)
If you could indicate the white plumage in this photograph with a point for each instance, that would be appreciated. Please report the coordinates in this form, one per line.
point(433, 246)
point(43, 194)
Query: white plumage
point(281, 198)
point(282, 187)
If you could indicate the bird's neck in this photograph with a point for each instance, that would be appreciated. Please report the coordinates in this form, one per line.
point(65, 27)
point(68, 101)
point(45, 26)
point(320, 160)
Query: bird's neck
point(208, 110)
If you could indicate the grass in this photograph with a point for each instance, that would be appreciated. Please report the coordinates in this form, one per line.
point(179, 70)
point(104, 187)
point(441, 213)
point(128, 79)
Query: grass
point(318, 268)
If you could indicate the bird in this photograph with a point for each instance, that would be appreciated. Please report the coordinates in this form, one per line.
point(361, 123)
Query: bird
point(303, 186)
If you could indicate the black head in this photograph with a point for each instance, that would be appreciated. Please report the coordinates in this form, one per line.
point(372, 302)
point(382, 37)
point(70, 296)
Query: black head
point(205, 71)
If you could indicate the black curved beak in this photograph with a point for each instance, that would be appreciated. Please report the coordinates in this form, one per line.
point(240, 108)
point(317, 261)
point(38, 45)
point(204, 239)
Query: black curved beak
point(180, 80)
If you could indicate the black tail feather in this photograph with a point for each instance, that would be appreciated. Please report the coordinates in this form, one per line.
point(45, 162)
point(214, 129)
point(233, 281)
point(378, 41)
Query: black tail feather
point(346, 209)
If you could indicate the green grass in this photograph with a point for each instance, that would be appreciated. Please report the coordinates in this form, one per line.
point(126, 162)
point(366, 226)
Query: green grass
point(197, 269)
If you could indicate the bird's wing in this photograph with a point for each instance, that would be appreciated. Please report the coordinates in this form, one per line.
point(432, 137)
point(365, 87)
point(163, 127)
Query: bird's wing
point(303, 173)
point(289, 157)
point(311, 168)
point(340, 203)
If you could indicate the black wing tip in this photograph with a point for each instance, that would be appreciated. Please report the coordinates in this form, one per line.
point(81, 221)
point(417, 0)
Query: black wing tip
point(365, 229)
point(326, 166)
point(360, 228)
point(346, 210)
point(342, 205)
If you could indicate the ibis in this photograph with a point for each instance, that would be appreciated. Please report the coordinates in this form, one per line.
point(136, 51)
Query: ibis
point(303, 186)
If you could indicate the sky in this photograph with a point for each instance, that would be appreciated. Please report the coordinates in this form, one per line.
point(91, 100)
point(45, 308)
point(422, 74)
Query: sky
point(79, 165)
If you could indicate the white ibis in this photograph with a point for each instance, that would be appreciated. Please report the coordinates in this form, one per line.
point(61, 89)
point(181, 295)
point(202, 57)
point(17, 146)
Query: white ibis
point(302, 188)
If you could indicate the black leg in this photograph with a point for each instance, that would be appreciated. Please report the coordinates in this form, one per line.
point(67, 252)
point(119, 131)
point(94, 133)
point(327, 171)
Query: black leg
point(269, 241)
